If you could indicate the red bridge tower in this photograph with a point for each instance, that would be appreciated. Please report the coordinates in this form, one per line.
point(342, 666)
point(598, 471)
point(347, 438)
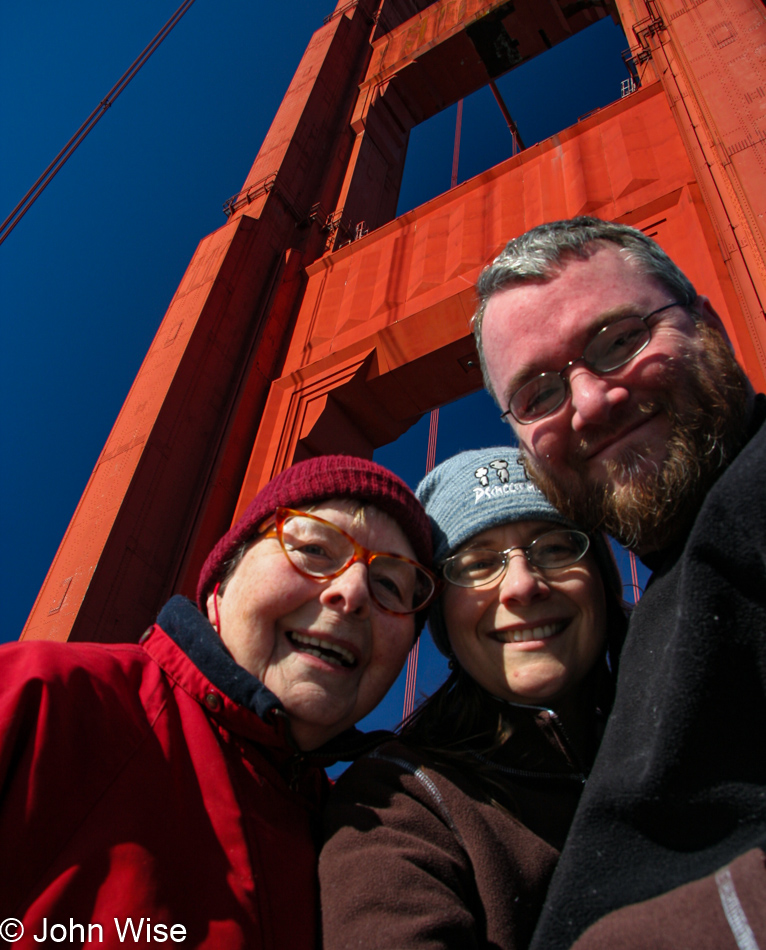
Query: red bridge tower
point(292, 334)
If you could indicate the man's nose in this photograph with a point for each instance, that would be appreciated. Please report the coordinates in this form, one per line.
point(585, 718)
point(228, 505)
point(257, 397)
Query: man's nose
point(349, 592)
point(521, 583)
point(594, 397)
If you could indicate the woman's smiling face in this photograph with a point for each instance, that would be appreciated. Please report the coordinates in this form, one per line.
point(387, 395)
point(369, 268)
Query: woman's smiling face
point(324, 648)
point(532, 637)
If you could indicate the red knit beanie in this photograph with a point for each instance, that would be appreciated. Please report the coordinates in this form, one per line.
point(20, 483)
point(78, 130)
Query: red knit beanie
point(315, 480)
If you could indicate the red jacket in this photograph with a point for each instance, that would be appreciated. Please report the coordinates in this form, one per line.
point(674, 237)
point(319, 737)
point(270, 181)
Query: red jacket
point(135, 785)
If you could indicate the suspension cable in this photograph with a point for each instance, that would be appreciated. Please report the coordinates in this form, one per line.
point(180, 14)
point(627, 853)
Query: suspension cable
point(50, 172)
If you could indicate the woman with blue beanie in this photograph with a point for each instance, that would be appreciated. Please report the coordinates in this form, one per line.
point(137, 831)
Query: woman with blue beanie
point(451, 832)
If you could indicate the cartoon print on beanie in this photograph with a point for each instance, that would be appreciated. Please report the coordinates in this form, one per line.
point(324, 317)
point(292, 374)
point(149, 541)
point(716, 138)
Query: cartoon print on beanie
point(476, 489)
point(498, 467)
point(481, 474)
point(501, 467)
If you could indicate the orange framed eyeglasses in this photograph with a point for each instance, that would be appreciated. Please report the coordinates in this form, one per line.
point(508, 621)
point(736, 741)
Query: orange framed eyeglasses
point(319, 549)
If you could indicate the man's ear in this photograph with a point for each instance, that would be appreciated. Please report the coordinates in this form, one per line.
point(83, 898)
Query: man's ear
point(707, 314)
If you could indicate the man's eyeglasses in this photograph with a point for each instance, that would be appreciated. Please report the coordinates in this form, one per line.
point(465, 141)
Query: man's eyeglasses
point(321, 550)
point(612, 347)
point(478, 567)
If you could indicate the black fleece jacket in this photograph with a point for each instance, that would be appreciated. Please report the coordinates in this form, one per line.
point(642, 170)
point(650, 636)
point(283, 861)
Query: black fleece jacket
point(679, 785)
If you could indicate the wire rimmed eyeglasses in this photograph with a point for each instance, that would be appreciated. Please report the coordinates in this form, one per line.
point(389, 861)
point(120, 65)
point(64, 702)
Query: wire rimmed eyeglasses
point(319, 549)
point(612, 347)
point(551, 551)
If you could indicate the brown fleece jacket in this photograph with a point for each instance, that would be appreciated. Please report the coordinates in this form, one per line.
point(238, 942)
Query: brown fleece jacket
point(417, 856)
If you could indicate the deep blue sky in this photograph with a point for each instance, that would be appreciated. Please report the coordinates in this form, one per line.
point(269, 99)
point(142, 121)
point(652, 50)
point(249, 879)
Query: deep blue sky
point(86, 277)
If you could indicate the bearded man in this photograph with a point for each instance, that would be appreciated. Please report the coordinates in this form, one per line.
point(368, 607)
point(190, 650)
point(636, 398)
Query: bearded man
point(634, 417)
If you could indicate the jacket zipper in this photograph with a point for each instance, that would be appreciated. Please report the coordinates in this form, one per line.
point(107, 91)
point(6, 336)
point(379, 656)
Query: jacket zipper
point(579, 773)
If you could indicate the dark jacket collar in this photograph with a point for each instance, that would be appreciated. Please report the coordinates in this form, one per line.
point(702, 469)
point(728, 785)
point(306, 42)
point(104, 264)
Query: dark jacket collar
point(193, 633)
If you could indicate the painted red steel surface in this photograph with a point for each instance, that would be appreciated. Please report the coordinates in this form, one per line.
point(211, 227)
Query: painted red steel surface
point(282, 343)
point(711, 60)
point(421, 67)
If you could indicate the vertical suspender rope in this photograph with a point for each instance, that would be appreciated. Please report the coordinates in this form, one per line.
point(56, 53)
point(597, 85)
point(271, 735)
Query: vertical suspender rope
point(431, 456)
point(634, 576)
point(517, 145)
point(50, 172)
point(412, 659)
point(412, 675)
point(456, 150)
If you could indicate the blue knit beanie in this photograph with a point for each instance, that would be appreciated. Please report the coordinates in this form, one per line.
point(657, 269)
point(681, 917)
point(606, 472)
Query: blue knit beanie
point(482, 488)
point(476, 490)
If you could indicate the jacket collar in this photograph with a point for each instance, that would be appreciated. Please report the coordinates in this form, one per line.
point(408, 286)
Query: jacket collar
point(194, 634)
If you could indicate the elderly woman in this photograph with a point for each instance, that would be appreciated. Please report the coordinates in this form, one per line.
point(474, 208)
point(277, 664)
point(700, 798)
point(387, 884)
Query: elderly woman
point(451, 833)
point(169, 790)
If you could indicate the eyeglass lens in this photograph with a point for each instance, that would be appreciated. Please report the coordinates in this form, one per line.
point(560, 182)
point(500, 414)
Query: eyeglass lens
point(320, 549)
point(612, 347)
point(475, 567)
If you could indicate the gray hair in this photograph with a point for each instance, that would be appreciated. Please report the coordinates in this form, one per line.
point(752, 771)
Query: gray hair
point(541, 253)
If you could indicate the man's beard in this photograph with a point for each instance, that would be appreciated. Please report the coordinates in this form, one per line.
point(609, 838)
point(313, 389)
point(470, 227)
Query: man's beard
point(647, 510)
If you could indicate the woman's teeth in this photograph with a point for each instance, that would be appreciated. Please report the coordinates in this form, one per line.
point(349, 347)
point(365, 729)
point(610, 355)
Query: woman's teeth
point(331, 653)
point(531, 633)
